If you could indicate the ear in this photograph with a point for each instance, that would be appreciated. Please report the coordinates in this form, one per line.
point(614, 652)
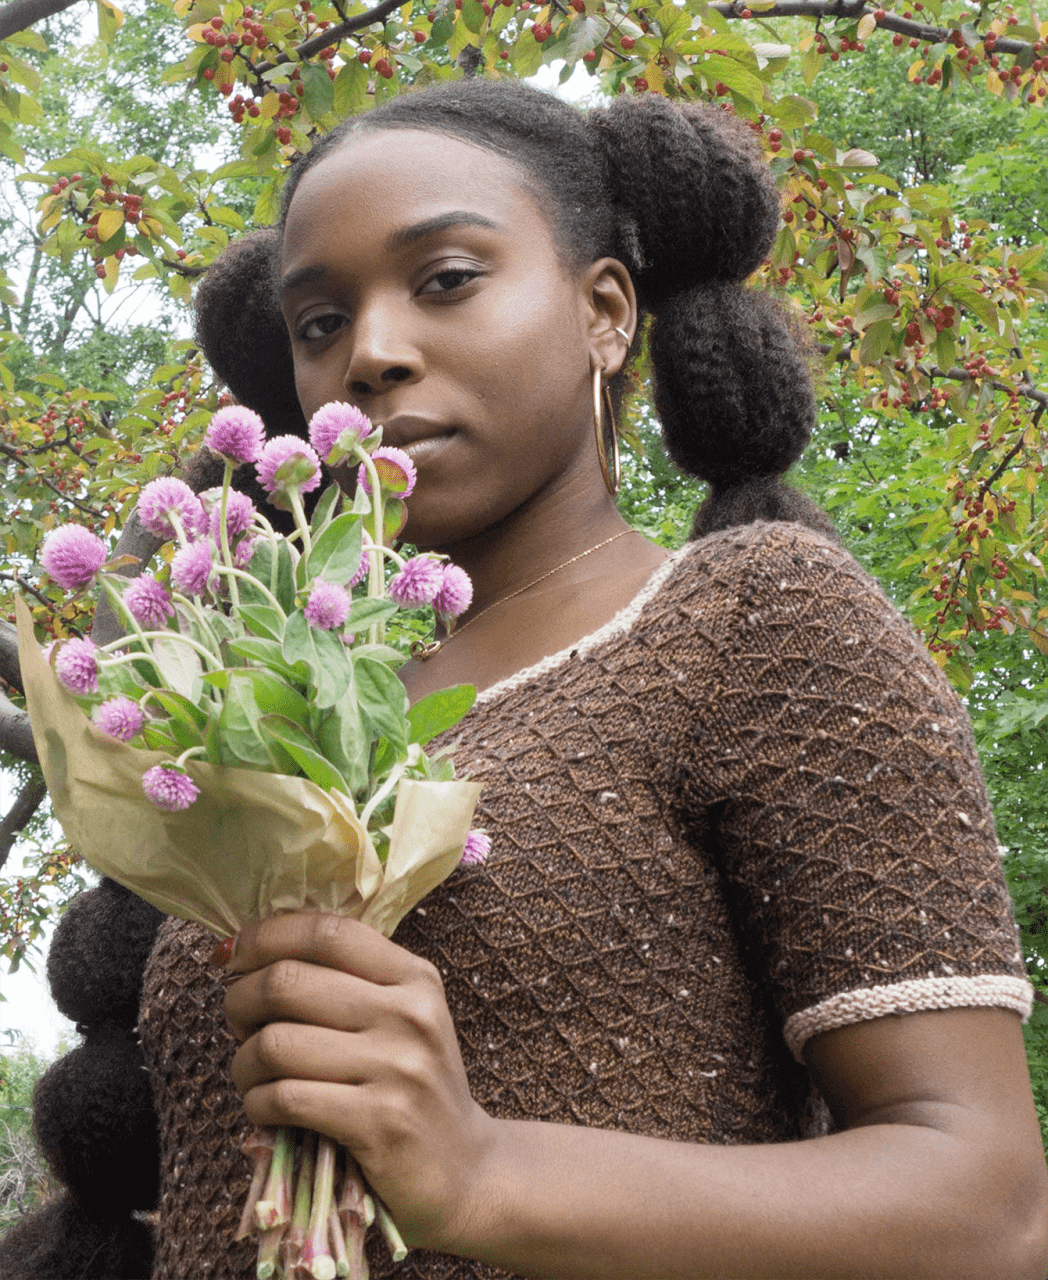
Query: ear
point(612, 304)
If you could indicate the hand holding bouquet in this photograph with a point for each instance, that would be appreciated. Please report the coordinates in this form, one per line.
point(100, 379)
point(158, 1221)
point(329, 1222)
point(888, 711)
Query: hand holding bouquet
point(250, 748)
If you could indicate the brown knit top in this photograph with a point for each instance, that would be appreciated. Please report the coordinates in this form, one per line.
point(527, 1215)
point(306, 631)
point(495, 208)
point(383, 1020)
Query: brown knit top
point(747, 810)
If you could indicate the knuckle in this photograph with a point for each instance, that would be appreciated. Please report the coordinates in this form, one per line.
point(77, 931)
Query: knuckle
point(272, 1048)
point(324, 933)
point(280, 984)
point(289, 1098)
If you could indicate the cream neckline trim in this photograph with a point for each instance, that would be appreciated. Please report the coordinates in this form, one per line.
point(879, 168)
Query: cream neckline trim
point(620, 623)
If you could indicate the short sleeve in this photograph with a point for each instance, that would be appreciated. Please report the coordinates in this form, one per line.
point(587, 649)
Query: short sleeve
point(844, 800)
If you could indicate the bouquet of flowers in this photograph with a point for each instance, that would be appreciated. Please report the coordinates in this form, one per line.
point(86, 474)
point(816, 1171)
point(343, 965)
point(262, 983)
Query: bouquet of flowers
point(247, 747)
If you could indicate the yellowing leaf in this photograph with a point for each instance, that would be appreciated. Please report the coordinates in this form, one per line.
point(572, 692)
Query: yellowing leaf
point(867, 26)
point(109, 223)
point(196, 31)
point(110, 20)
point(915, 70)
point(654, 75)
point(993, 83)
point(269, 106)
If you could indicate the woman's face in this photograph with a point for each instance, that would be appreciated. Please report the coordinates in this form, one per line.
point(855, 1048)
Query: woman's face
point(420, 282)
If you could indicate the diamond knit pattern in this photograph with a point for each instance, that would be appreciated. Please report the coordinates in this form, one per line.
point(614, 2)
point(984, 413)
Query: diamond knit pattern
point(751, 794)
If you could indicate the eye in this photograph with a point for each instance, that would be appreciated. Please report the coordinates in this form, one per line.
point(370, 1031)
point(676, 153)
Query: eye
point(450, 280)
point(319, 327)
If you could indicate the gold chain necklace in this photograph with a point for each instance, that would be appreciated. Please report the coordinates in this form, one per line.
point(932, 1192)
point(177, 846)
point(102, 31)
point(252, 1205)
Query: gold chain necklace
point(421, 650)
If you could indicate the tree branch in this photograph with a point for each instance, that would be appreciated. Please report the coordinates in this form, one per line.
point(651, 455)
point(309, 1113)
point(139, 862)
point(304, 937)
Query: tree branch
point(17, 818)
point(16, 733)
point(835, 9)
point(10, 672)
point(20, 14)
point(331, 36)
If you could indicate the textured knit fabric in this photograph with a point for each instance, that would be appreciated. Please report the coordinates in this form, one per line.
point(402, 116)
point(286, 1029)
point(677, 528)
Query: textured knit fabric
point(747, 810)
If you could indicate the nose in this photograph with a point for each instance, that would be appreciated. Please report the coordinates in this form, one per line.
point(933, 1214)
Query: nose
point(384, 354)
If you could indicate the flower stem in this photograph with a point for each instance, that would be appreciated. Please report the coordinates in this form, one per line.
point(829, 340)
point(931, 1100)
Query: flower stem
point(301, 523)
point(317, 1261)
point(397, 1247)
point(227, 559)
point(274, 1208)
point(377, 632)
point(295, 1239)
point(267, 1265)
point(259, 1146)
point(158, 635)
point(232, 573)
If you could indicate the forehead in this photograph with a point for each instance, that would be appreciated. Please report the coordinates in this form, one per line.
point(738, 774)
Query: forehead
point(384, 179)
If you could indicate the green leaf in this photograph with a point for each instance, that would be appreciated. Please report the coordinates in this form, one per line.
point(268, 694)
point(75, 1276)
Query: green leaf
point(382, 699)
point(280, 580)
point(324, 654)
point(336, 553)
point(303, 750)
point(367, 611)
point(324, 511)
point(179, 665)
point(319, 97)
point(179, 708)
point(263, 620)
point(473, 15)
point(240, 740)
point(341, 739)
point(271, 655)
point(439, 711)
point(271, 693)
point(875, 341)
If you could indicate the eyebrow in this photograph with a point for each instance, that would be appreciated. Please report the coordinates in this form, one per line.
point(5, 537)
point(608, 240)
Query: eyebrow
point(398, 240)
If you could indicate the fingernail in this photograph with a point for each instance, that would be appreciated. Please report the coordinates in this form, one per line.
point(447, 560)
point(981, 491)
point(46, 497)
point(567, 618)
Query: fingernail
point(223, 953)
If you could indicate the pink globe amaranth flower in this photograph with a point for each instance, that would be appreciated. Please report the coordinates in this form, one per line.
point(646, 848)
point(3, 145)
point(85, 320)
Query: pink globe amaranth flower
point(148, 602)
point(476, 848)
point(418, 582)
point(334, 420)
point(236, 433)
point(72, 556)
point(243, 552)
point(193, 569)
point(455, 594)
point(168, 788)
point(164, 497)
point(287, 462)
point(77, 667)
point(396, 472)
point(240, 511)
point(362, 572)
point(120, 717)
point(327, 607)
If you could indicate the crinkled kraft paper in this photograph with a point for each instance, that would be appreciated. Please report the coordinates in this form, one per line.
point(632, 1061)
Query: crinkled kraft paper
point(252, 844)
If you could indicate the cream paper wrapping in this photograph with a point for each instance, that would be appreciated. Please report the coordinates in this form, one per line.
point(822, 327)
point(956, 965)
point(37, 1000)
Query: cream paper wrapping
point(252, 844)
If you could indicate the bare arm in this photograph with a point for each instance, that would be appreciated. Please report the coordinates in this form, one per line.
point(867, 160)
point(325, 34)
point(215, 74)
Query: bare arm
point(937, 1172)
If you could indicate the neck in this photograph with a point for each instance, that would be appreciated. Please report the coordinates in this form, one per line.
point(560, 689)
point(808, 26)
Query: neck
point(533, 540)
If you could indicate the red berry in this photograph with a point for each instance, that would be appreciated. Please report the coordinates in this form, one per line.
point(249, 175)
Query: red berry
point(217, 23)
point(897, 39)
point(579, 6)
point(180, 253)
point(590, 57)
point(56, 190)
point(540, 32)
point(364, 56)
point(209, 73)
point(283, 135)
point(640, 84)
point(384, 69)
point(420, 37)
point(100, 271)
point(879, 15)
point(628, 42)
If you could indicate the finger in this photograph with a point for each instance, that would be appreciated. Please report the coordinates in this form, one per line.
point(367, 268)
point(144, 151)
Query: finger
point(294, 991)
point(323, 939)
point(308, 1104)
point(290, 1050)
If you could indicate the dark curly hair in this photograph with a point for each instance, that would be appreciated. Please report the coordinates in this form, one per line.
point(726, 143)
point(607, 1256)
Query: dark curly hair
point(678, 193)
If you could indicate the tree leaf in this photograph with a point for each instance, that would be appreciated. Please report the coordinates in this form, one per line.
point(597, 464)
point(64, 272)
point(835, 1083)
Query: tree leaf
point(439, 711)
point(324, 654)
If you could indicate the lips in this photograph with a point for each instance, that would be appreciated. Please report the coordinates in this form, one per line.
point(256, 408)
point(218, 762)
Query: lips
point(410, 433)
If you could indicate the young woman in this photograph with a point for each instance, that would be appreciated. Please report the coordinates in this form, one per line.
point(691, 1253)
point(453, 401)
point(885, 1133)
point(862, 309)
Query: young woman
point(738, 823)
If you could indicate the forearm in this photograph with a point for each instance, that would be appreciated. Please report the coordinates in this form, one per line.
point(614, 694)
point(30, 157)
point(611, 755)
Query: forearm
point(894, 1200)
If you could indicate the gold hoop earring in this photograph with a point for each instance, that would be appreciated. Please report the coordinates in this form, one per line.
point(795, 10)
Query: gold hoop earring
point(607, 436)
